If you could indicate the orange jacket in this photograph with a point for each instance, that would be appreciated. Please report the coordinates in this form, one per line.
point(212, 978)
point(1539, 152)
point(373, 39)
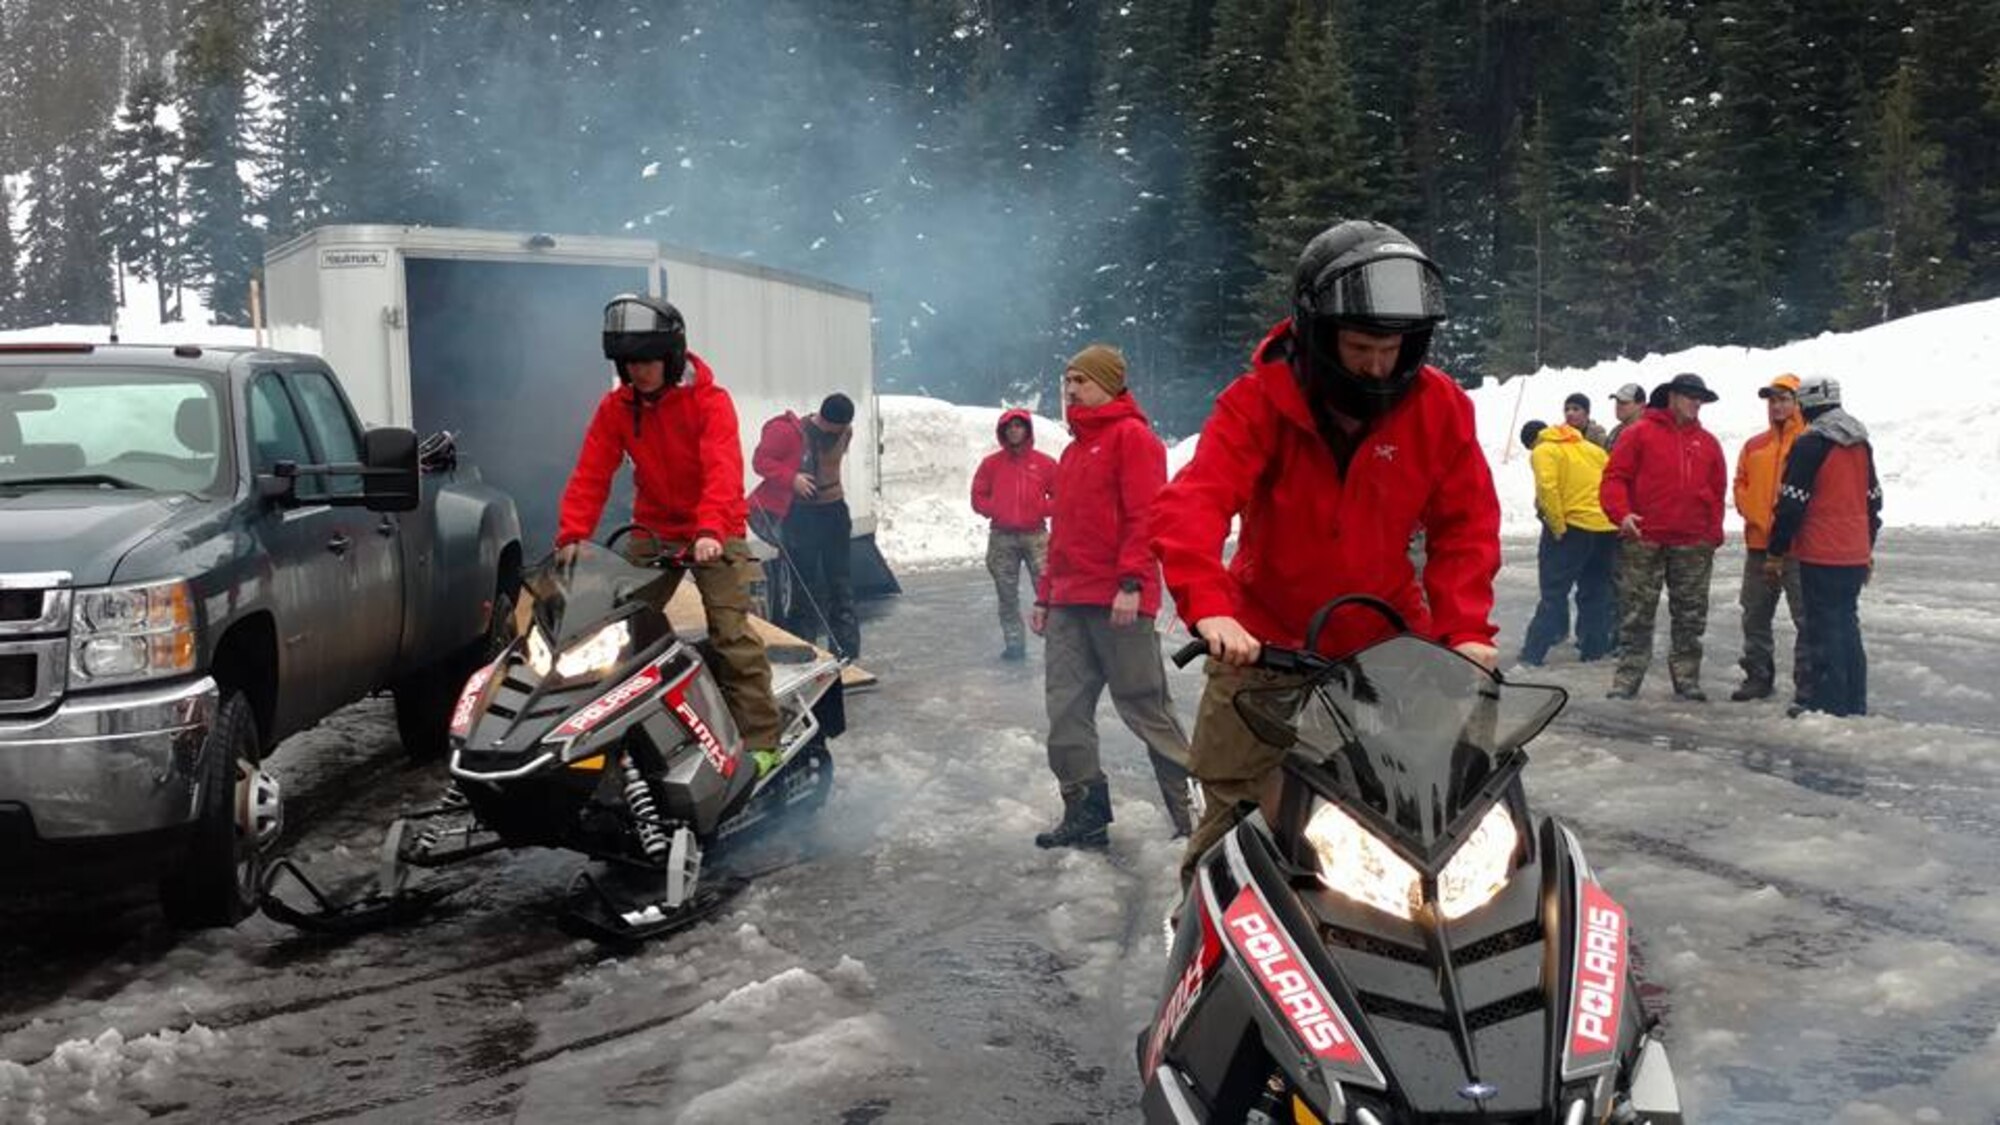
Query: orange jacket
point(1758, 470)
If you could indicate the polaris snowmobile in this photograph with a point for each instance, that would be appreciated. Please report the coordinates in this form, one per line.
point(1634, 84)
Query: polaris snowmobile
point(598, 730)
point(1393, 939)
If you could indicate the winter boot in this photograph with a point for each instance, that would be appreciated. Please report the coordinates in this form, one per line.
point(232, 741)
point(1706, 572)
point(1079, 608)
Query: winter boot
point(1753, 688)
point(1084, 822)
point(766, 760)
point(1691, 694)
point(1015, 650)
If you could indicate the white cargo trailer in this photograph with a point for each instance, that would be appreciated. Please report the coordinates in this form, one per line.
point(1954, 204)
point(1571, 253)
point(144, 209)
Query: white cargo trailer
point(494, 336)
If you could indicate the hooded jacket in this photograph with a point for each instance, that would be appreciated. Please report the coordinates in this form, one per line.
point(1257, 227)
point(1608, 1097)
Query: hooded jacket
point(1568, 470)
point(1758, 469)
point(1672, 475)
point(1105, 484)
point(1830, 505)
point(687, 465)
point(1015, 488)
point(1311, 533)
point(781, 449)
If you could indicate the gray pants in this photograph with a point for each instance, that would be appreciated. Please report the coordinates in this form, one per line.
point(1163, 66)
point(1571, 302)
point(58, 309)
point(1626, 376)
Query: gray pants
point(1759, 600)
point(1006, 552)
point(1083, 655)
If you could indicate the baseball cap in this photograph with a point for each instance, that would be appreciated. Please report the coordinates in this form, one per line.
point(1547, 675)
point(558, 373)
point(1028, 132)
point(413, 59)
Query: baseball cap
point(1785, 382)
point(1630, 392)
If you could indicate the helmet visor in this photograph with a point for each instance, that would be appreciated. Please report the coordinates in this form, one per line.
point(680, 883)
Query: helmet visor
point(1396, 292)
point(633, 316)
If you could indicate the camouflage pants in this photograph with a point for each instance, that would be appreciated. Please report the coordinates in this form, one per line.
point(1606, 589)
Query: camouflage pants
point(1006, 551)
point(1759, 600)
point(1685, 572)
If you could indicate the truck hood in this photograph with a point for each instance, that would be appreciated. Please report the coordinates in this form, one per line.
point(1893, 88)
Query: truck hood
point(84, 531)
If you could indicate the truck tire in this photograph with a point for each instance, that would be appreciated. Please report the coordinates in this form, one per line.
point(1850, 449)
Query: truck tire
point(424, 701)
point(218, 882)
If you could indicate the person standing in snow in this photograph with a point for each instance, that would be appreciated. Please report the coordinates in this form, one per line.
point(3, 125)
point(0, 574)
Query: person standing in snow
point(1829, 514)
point(1758, 469)
point(1579, 546)
point(1335, 445)
point(1576, 415)
point(780, 447)
point(674, 423)
point(1015, 489)
point(1627, 403)
point(818, 529)
point(1664, 489)
point(1095, 604)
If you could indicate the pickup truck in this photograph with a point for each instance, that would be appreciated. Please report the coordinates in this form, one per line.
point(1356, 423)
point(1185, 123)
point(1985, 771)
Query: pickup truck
point(202, 553)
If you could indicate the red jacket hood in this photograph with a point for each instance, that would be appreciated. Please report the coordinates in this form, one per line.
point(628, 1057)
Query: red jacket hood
point(1087, 420)
point(1006, 416)
point(699, 375)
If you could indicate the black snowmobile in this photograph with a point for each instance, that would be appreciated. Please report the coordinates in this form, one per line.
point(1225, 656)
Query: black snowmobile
point(1399, 941)
point(599, 731)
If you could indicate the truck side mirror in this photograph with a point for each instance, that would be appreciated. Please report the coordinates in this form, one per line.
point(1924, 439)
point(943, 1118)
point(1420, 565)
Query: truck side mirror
point(281, 485)
point(390, 454)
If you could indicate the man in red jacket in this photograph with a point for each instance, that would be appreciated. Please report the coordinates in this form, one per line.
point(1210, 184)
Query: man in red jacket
point(678, 428)
point(780, 449)
point(1664, 489)
point(1096, 600)
point(1015, 488)
point(1829, 513)
point(1336, 445)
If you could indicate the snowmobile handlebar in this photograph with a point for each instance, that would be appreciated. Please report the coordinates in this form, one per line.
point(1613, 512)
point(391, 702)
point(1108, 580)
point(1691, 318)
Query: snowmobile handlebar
point(1302, 661)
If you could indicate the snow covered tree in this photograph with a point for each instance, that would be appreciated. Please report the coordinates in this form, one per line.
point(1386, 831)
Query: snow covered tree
point(224, 248)
point(1904, 261)
point(143, 176)
point(10, 275)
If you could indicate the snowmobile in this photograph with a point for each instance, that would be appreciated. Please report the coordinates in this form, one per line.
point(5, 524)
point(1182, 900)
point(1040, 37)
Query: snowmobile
point(597, 730)
point(1392, 939)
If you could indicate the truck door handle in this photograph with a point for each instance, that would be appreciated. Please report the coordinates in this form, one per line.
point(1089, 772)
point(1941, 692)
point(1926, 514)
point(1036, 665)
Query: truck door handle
point(387, 528)
point(339, 543)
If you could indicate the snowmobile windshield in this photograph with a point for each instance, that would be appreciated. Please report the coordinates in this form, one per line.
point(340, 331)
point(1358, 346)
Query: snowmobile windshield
point(1406, 729)
point(573, 599)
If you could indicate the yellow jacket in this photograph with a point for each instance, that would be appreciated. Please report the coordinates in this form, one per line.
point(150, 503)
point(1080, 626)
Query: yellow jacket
point(1567, 472)
point(1759, 470)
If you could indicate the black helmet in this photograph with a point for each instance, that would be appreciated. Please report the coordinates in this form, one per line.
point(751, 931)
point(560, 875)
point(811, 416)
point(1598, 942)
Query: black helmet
point(638, 327)
point(1362, 275)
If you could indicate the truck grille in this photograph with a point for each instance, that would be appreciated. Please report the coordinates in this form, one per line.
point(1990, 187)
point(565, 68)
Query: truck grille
point(20, 605)
point(34, 604)
point(17, 677)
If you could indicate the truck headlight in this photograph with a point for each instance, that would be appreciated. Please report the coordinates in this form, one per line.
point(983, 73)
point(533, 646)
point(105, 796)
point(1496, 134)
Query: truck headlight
point(125, 633)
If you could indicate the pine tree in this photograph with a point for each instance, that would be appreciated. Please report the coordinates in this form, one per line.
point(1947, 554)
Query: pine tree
point(224, 248)
point(1904, 262)
point(1315, 179)
point(10, 277)
point(66, 95)
point(145, 199)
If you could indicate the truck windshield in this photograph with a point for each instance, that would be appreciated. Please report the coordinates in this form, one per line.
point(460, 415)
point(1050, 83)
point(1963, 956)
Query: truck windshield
point(110, 428)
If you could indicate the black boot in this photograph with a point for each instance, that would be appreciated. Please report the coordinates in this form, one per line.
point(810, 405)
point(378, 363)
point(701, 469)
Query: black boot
point(1754, 688)
point(1084, 822)
point(1015, 650)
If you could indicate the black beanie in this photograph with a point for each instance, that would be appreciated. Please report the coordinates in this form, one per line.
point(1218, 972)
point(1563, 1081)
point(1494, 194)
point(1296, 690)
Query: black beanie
point(1531, 431)
point(837, 409)
point(1578, 399)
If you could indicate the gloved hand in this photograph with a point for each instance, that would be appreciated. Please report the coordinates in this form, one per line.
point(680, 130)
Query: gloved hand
point(1774, 569)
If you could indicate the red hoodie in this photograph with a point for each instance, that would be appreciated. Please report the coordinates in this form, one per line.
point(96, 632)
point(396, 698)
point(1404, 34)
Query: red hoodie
point(1673, 476)
point(1104, 484)
point(781, 449)
point(1015, 488)
point(1311, 533)
point(687, 468)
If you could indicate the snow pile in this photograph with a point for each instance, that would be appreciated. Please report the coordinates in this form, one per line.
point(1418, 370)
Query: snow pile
point(107, 1078)
point(1916, 383)
point(930, 449)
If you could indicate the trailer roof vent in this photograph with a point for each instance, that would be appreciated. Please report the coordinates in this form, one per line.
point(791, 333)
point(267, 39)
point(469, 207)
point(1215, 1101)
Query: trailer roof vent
point(187, 351)
point(541, 241)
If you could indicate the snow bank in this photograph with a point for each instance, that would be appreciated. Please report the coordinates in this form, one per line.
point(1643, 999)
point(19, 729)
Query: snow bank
point(930, 449)
point(108, 1078)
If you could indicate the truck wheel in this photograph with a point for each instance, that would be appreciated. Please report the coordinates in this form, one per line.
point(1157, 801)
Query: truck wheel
point(217, 883)
point(424, 702)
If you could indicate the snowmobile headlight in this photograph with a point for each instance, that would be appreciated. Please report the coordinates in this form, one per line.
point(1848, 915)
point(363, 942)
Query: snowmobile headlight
point(1359, 864)
point(1480, 867)
point(540, 659)
point(595, 654)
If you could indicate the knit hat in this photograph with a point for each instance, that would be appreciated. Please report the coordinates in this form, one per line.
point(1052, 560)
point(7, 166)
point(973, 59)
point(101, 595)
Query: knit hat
point(836, 409)
point(1579, 400)
point(1786, 383)
point(1101, 364)
point(1531, 431)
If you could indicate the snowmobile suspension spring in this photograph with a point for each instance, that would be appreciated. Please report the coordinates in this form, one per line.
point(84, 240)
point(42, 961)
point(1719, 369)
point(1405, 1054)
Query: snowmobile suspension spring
point(646, 818)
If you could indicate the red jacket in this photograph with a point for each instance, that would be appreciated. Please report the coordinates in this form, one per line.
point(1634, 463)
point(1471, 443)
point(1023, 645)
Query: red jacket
point(1104, 484)
point(1673, 476)
point(781, 449)
point(1311, 533)
point(1015, 488)
point(687, 468)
